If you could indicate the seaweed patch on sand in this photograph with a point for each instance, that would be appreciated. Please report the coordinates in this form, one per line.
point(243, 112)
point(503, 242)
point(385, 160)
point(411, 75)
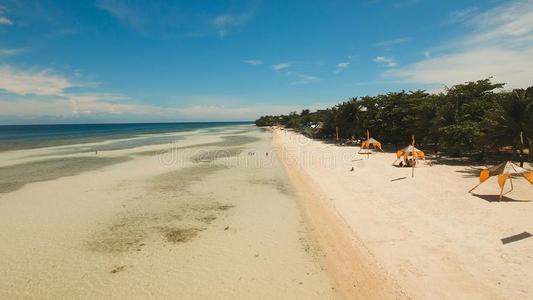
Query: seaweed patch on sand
point(207, 219)
point(117, 269)
point(169, 208)
point(277, 183)
point(181, 179)
point(227, 141)
point(124, 235)
point(179, 235)
point(212, 155)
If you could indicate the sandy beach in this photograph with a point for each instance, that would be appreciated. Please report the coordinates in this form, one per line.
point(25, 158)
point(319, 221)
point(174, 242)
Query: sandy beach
point(422, 238)
point(210, 216)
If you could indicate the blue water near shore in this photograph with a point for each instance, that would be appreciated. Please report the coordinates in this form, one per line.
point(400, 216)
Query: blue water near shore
point(13, 137)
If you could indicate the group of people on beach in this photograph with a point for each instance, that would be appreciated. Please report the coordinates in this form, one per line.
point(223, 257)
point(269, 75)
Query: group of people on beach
point(407, 162)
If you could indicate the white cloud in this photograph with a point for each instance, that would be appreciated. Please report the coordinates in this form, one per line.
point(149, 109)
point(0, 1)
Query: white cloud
point(241, 112)
point(11, 52)
point(386, 61)
point(393, 42)
point(107, 104)
point(513, 67)
point(342, 66)
point(5, 21)
point(254, 62)
point(461, 15)
point(500, 45)
point(74, 106)
point(100, 107)
point(121, 10)
point(36, 83)
point(223, 24)
point(281, 66)
point(303, 79)
point(42, 96)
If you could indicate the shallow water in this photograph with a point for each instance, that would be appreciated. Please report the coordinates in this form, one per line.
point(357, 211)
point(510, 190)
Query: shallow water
point(114, 145)
point(14, 177)
point(219, 221)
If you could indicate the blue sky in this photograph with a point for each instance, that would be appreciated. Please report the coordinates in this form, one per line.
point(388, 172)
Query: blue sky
point(137, 61)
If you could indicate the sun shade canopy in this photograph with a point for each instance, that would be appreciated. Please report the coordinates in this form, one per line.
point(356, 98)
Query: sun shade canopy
point(504, 171)
point(370, 143)
point(410, 151)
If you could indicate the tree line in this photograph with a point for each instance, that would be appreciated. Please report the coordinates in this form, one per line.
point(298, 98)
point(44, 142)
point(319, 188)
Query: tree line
point(474, 118)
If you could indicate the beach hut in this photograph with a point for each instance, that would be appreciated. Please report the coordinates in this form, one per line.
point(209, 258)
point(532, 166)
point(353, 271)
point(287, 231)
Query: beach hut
point(504, 171)
point(369, 143)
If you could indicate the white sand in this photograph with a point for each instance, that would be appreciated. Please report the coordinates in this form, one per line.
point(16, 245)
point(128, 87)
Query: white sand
point(103, 234)
point(423, 237)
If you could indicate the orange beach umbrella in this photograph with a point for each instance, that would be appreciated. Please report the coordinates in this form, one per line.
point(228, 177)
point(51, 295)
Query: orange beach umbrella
point(370, 142)
point(504, 171)
point(410, 151)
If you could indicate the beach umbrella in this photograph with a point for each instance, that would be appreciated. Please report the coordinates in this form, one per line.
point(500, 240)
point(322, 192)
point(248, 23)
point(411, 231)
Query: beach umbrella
point(504, 171)
point(410, 151)
point(370, 142)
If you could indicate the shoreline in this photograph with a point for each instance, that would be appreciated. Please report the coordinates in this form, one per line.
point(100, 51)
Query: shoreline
point(403, 237)
point(354, 271)
point(203, 220)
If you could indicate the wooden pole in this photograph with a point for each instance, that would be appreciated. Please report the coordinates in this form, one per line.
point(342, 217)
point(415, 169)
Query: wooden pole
point(414, 156)
point(501, 191)
point(511, 181)
point(475, 187)
point(367, 138)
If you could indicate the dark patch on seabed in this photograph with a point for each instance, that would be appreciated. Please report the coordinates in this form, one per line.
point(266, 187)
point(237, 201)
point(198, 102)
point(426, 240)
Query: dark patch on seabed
point(114, 145)
point(180, 180)
point(16, 176)
point(277, 183)
point(169, 210)
point(121, 236)
point(180, 235)
point(212, 155)
point(227, 141)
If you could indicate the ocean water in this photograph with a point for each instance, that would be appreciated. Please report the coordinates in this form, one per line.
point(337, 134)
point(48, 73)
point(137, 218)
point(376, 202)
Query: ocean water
point(14, 137)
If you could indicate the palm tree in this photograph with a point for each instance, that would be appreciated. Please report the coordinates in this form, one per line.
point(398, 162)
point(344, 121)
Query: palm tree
point(513, 124)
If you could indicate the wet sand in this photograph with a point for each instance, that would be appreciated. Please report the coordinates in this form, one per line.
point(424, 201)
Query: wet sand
point(209, 217)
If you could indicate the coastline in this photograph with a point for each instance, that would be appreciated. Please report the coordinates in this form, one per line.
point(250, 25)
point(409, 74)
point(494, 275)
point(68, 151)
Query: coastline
point(205, 220)
point(354, 271)
point(384, 230)
point(217, 211)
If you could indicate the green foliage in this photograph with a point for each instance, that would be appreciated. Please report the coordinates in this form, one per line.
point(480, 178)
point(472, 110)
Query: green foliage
point(468, 118)
point(511, 122)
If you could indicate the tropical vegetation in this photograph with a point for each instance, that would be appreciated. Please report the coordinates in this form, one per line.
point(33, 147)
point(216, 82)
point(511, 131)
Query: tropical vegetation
point(470, 119)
